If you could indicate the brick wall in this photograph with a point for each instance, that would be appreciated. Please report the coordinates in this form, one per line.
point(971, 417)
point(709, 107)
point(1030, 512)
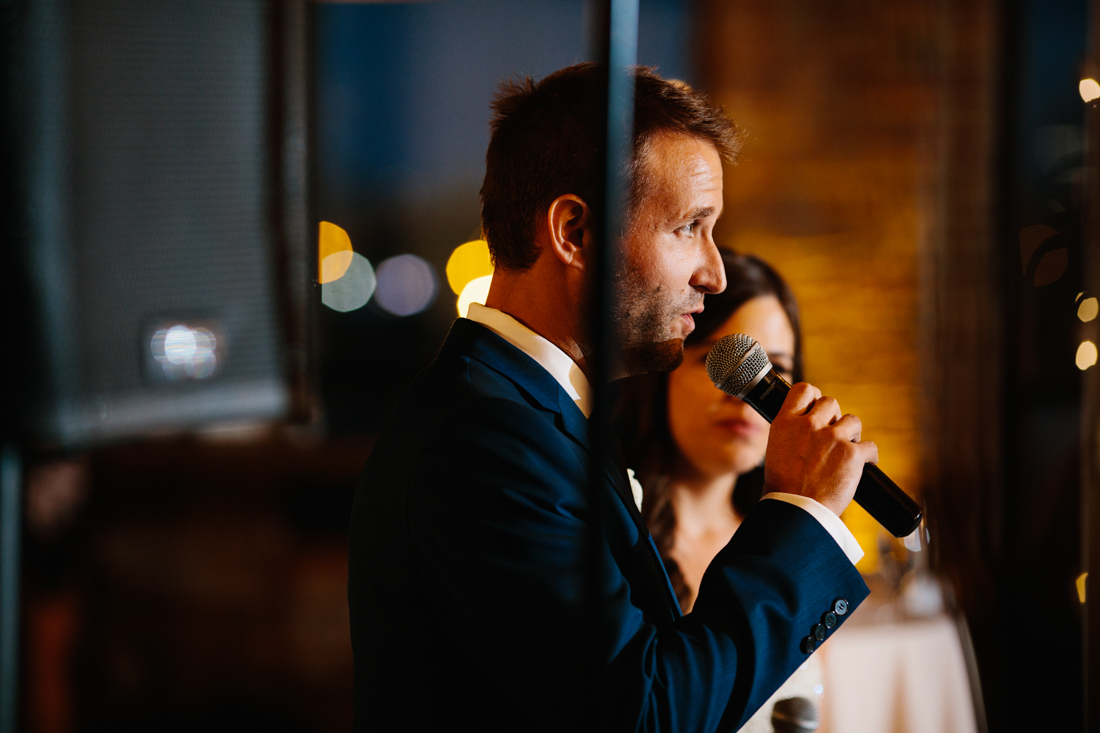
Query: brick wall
point(839, 101)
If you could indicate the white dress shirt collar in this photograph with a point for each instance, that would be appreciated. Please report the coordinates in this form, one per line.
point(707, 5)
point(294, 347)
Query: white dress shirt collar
point(562, 368)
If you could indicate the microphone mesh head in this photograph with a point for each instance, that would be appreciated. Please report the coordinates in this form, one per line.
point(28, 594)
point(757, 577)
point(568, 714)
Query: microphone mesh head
point(734, 361)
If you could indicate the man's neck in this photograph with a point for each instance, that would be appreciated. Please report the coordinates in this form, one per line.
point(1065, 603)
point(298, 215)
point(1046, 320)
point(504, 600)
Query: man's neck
point(547, 308)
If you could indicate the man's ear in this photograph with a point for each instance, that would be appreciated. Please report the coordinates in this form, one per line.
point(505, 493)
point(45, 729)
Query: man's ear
point(569, 221)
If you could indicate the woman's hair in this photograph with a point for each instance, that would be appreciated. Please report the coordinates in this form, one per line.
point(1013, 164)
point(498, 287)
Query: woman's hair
point(642, 413)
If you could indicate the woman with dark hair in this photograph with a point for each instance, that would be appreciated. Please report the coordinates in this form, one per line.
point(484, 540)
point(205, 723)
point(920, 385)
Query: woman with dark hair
point(698, 452)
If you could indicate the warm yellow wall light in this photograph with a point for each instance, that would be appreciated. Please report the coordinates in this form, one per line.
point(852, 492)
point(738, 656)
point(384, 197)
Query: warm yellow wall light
point(333, 253)
point(866, 531)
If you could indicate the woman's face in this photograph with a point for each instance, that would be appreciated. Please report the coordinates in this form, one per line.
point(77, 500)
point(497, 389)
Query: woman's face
point(714, 432)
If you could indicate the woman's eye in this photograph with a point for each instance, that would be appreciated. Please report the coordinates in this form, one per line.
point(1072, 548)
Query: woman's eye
point(782, 366)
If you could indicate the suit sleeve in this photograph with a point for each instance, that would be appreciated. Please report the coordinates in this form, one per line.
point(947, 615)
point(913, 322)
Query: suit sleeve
point(500, 522)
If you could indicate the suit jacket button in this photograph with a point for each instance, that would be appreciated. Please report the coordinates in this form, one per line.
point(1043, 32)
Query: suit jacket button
point(840, 607)
point(808, 645)
point(829, 619)
point(818, 632)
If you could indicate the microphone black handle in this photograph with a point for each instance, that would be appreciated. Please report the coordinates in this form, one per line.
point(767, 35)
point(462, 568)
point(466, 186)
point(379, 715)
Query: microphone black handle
point(887, 503)
point(882, 498)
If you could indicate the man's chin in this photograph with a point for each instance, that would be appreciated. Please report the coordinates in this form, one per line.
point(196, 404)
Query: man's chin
point(663, 356)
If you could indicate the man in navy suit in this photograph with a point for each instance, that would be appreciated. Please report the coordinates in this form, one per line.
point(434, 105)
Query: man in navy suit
point(490, 586)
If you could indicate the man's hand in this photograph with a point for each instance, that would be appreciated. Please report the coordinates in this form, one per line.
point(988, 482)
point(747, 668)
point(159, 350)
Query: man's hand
point(814, 451)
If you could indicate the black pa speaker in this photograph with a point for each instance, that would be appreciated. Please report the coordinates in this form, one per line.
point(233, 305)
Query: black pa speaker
point(156, 266)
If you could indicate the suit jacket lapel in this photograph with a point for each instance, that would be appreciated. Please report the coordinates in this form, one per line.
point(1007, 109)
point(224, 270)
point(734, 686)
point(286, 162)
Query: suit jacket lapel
point(576, 425)
point(478, 342)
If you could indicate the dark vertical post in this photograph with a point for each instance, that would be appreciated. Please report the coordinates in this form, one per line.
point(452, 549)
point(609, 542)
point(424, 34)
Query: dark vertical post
point(618, 56)
point(1090, 398)
point(296, 253)
point(10, 524)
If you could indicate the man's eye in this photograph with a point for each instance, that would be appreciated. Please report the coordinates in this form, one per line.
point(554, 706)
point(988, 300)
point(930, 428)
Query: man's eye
point(689, 228)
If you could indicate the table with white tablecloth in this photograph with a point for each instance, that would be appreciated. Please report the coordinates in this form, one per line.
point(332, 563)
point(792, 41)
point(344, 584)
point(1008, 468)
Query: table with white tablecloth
point(897, 677)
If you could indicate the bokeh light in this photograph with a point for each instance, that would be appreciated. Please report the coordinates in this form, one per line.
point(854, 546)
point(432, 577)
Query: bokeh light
point(183, 351)
point(475, 292)
point(406, 285)
point(353, 289)
point(1082, 579)
point(334, 253)
point(1089, 89)
point(1086, 355)
point(1088, 309)
point(334, 266)
point(468, 262)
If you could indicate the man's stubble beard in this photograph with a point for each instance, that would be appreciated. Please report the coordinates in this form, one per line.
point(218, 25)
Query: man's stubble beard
point(642, 322)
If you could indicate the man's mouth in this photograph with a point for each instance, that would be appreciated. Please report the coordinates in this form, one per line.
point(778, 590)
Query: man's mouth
point(690, 317)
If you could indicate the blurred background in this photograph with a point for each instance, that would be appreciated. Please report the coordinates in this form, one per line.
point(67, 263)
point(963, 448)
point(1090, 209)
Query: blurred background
point(234, 232)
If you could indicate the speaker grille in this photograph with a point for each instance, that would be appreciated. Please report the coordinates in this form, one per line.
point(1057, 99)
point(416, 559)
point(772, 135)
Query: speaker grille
point(151, 126)
point(168, 181)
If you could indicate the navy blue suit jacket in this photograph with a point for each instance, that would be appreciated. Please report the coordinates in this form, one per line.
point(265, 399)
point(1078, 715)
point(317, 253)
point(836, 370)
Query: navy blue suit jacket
point(479, 596)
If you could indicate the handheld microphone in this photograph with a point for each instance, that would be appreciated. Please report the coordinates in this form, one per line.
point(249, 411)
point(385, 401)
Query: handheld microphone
point(738, 366)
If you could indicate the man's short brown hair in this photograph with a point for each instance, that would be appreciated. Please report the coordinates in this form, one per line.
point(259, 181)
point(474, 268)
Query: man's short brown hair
point(547, 141)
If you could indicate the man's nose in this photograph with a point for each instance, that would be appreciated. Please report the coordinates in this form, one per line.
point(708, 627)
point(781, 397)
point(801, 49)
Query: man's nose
point(710, 276)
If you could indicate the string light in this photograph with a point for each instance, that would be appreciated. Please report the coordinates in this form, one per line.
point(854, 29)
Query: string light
point(1089, 89)
point(1086, 355)
point(1088, 309)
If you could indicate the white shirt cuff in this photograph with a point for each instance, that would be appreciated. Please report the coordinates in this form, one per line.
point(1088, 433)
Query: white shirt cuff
point(833, 524)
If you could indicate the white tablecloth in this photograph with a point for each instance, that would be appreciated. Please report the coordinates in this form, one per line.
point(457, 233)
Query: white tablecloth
point(896, 678)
